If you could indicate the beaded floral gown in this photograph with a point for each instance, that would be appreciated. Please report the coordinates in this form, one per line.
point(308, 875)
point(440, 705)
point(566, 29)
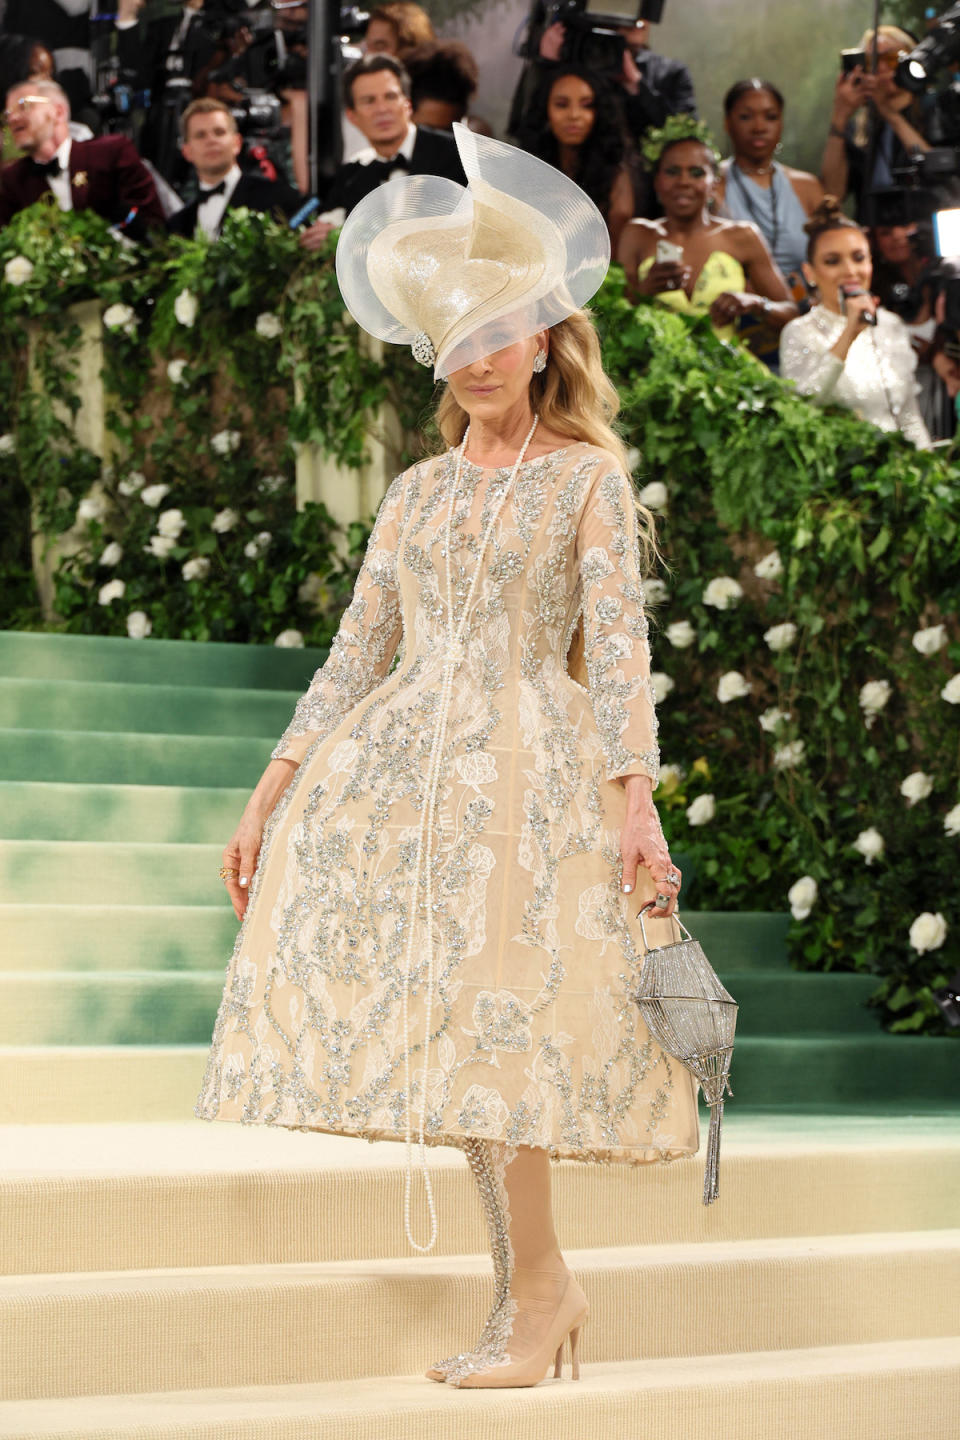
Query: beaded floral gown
point(470, 792)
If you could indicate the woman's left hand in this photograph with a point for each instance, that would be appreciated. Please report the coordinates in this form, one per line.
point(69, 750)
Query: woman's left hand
point(642, 842)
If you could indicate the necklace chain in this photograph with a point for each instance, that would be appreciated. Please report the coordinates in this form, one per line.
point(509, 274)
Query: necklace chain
point(456, 632)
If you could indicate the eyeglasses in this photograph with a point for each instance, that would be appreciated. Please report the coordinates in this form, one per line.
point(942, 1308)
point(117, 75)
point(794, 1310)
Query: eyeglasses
point(23, 102)
point(891, 59)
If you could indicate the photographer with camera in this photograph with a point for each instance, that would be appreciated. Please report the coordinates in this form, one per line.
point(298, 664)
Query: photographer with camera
point(848, 350)
point(863, 86)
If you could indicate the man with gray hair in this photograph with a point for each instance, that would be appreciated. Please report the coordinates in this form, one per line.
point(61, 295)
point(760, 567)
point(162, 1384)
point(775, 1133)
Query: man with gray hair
point(105, 174)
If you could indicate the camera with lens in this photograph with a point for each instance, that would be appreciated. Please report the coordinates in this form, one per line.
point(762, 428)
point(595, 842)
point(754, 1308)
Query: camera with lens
point(591, 30)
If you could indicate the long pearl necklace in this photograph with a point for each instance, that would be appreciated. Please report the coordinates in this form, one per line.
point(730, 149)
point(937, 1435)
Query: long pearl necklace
point(455, 650)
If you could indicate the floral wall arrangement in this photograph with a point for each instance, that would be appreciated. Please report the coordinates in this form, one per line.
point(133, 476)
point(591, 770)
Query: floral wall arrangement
point(805, 626)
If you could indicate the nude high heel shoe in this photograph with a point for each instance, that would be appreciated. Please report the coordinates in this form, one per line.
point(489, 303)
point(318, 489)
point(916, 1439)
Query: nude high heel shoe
point(568, 1321)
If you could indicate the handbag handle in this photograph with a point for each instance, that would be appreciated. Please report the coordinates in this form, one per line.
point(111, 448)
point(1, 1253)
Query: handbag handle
point(675, 916)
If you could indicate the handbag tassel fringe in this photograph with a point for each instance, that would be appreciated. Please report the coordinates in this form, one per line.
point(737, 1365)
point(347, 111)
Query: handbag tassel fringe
point(711, 1177)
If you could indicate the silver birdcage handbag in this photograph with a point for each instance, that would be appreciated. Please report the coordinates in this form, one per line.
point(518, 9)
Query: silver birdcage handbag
point(693, 1018)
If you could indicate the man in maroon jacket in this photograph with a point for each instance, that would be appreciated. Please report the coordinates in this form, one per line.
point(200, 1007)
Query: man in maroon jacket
point(105, 175)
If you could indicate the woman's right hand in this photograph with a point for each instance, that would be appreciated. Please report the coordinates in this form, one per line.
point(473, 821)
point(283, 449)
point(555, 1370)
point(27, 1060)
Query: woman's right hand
point(850, 92)
point(665, 275)
point(855, 307)
point(241, 854)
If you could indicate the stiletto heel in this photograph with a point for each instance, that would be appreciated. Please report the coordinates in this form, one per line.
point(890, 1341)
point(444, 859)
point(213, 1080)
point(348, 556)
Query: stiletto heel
point(575, 1352)
point(558, 1362)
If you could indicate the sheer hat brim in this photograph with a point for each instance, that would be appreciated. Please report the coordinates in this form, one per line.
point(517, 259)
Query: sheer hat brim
point(461, 272)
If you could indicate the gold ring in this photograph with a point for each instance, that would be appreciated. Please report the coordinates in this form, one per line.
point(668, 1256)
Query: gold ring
point(228, 874)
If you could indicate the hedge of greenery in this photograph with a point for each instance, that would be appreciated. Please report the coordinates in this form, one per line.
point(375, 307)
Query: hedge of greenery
point(807, 641)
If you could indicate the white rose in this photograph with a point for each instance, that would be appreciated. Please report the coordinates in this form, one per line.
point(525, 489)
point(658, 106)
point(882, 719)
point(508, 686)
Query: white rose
point(671, 775)
point(874, 695)
point(779, 637)
point(185, 307)
point(133, 483)
point(120, 317)
point(654, 495)
point(732, 686)
point(113, 590)
point(928, 932)
point(655, 591)
point(175, 371)
point(772, 718)
point(951, 691)
point(802, 896)
point(112, 554)
point(870, 844)
point(633, 458)
point(681, 634)
point(92, 507)
point(951, 821)
point(196, 568)
point(258, 545)
point(7, 444)
point(153, 494)
point(171, 523)
point(289, 640)
point(271, 484)
point(268, 326)
point(662, 685)
point(785, 757)
point(160, 545)
point(929, 641)
point(224, 520)
point(18, 270)
point(722, 592)
point(702, 811)
point(138, 625)
point(770, 567)
point(225, 441)
point(917, 786)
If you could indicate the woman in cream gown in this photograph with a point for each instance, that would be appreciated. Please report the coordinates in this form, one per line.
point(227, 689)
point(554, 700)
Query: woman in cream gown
point(441, 930)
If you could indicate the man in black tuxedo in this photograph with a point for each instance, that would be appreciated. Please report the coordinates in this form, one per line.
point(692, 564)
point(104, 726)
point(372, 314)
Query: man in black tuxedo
point(211, 143)
point(377, 94)
point(105, 175)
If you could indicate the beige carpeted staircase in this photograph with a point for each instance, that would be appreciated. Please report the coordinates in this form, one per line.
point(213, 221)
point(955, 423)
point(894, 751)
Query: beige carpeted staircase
point(164, 1278)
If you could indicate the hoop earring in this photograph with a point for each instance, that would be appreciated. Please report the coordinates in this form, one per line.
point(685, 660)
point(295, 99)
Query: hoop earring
point(539, 362)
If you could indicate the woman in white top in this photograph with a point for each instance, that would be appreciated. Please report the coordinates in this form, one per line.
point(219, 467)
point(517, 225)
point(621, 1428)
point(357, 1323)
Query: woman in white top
point(847, 350)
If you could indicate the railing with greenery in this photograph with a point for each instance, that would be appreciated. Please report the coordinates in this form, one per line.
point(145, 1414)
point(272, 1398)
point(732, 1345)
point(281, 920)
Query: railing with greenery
point(806, 641)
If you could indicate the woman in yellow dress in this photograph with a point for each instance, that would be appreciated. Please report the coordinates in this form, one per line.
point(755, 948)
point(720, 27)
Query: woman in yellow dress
point(690, 260)
point(438, 872)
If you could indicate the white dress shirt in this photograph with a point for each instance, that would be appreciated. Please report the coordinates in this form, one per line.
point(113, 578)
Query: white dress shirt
point(367, 156)
point(60, 184)
point(210, 212)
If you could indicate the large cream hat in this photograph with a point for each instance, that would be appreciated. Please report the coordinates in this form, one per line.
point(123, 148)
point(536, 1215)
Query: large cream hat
point(459, 273)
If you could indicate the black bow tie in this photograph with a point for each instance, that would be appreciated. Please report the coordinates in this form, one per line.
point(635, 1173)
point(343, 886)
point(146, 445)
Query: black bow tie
point(220, 189)
point(47, 167)
point(383, 169)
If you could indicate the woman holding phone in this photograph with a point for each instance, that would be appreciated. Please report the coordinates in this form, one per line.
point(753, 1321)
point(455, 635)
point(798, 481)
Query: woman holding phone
point(690, 260)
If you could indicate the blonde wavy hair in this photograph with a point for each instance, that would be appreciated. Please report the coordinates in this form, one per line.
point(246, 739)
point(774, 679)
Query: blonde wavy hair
point(575, 398)
point(893, 33)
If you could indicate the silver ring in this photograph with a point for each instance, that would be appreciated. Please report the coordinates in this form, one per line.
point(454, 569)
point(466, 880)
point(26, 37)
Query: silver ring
point(672, 877)
point(663, 902)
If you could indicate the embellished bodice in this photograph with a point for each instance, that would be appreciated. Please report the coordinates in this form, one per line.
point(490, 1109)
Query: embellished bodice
point(877, 379)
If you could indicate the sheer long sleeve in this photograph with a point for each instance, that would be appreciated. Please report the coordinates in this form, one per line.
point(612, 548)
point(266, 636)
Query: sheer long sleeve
point(807, 360)
point(903, 363)
point(615, 632)
point(365, 644)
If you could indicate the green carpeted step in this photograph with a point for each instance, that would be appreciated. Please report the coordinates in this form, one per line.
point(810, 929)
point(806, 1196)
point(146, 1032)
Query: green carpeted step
point(155, 662)
point(63, 1008)
point(97, 873)
point(842, 1070)
point(89, 938)
point(93, 758)
point(740, 940)
point(165, 814)
point(111, 707)
point(791, 1002)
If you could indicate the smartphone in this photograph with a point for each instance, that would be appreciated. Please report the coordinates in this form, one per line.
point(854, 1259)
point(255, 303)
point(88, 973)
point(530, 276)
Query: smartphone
point(667, 252)
point(853, 60)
